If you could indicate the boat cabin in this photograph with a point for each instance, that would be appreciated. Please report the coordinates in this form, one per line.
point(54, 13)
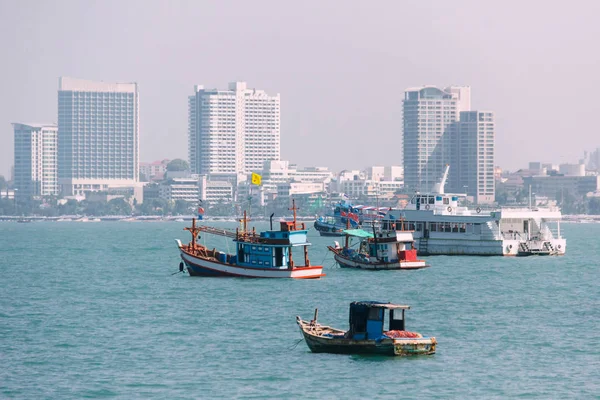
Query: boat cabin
point(271, 249)
point(387, 246)
point(367, 319)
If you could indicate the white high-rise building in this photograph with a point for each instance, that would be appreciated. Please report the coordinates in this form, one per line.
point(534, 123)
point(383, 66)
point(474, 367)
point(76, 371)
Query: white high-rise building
point(98, 135)
point(36, 160)
point(475, 157)
point(440, 129)
point(429, 112)
point(232, 132)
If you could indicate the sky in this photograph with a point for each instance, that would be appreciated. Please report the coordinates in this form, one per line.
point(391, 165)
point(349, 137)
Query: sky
point(341, 68)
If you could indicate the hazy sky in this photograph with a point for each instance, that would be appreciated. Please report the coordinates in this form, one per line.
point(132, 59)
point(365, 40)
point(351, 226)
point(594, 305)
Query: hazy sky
point(341, 68)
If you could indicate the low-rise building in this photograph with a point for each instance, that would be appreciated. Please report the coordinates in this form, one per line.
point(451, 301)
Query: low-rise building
point(175, 189)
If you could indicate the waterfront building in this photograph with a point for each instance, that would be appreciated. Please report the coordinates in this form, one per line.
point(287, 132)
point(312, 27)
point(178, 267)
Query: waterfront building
point(473, 158)
point(154, 170)
point(429, 115)
point(232, 132)
point(440, 129)
point(98, 136)
point(213, 192)
point(36, 160)
point(182, 188)
point(559, 186)
point(282, 171)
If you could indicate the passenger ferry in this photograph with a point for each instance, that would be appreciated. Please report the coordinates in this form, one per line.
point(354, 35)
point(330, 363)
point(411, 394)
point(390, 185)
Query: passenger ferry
point(442, 227)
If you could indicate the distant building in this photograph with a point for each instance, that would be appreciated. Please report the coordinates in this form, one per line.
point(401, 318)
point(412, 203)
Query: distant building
point(180, 189)
point(441, 129)
point(556, 186)
point(429, 113)
point(213, 192)
point(98, 135)
point(393, 173)
point(282, 171)
point(154, 170)
point(232, 132)
point(36, 160)
point(474, 157)
point(572, 169)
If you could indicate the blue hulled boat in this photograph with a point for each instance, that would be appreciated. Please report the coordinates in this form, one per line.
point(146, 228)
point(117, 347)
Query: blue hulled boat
point(345, 215)
point(367, 334)
point(258, 255)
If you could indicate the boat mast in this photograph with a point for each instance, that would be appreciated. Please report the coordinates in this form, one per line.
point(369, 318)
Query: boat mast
point(194, 230)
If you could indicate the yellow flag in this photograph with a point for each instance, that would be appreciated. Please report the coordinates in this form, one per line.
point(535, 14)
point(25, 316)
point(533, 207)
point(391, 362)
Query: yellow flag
point(256, 179)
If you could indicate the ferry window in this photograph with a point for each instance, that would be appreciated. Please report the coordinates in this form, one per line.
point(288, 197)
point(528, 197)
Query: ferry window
point(455, 228)
point(253, 261)
point(259, 262)
point(463, 228)
point(253, 247)
point(447, 227)
point(267, 263)
point(433, 227)
point(432, 200)
point(419, 227)
point(446, 200)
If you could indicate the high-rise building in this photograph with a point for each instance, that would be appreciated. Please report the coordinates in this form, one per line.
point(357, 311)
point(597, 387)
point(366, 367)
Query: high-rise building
point(429, 113)
point(475, 156)
point(440, 129)
point(98, 135)
point(36, 159)
point(232, 132)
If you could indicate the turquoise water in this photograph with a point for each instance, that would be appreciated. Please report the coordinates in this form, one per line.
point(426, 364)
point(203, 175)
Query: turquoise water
point(91, 310)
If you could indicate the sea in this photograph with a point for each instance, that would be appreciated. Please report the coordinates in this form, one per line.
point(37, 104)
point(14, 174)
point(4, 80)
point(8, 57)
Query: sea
point(99, 310)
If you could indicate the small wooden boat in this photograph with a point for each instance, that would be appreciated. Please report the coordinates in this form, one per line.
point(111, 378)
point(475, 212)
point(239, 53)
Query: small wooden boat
point(258, 255)
point(377, 250)
point(366, 334)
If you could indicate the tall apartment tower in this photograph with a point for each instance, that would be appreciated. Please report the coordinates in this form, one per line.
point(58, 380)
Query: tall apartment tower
point(98, 135)
point(232, 132)
point(475, 166)
point(36, 160)
point(429, 113)
point(440, 129)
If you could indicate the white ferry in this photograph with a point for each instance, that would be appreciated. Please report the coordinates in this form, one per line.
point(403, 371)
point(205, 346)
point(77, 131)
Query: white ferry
point(442, 227)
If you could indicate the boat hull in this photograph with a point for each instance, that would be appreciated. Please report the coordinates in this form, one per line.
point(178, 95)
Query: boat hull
point(328, 230)
point(197, 266)
point(383, 347)
point(467, 247)
point(345, 262)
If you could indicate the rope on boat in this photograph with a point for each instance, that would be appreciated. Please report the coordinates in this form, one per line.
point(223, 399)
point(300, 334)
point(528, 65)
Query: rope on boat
point(295, 344)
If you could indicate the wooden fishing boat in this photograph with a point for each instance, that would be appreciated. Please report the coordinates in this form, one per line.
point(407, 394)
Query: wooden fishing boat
point(258, 255)
point(377, 250)
point(367, 334)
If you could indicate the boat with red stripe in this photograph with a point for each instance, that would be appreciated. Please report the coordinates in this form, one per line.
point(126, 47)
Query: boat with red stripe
point(267, 254)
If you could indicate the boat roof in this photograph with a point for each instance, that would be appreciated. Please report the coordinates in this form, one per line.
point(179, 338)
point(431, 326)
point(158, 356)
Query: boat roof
point(358, 233)
point(379, 304)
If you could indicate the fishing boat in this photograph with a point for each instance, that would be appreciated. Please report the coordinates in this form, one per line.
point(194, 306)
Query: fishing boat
point(386, 250)
point(443, 227)
point(258, 255)
point(367, 334)
point(345, 213)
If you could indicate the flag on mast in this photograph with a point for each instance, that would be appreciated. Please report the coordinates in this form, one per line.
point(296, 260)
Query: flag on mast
point(256, 179)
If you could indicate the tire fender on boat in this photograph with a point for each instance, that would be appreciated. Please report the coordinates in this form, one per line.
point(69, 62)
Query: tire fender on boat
point(181, 266)
point(478, 210)
point(449, 209)
point(427, 206)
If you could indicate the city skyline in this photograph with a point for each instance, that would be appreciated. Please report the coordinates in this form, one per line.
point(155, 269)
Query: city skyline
point(341, 82)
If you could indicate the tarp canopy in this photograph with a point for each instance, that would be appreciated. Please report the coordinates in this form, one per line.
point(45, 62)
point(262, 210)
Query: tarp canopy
point(358, 233)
